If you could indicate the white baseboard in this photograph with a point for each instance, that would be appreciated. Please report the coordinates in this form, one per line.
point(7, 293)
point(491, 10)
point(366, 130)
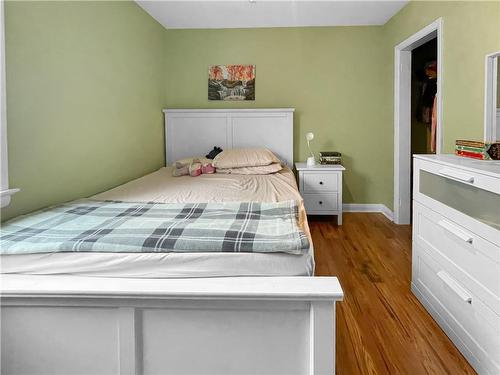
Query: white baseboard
point(369, 207)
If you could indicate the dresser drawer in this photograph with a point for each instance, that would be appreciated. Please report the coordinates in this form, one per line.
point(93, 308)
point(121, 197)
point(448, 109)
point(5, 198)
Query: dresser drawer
point(319, 182)
point(473, 327)
point(472, 259)
point(321, 202)
point(470, 197)
point(464, 176)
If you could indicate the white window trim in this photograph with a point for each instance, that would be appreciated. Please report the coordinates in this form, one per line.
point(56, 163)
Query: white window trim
point(5, 192)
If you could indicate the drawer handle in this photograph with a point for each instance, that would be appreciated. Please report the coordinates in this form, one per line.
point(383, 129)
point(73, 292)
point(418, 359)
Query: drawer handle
point(321, 182)
point(453, 285)
point(457, 175)
point(320, 202)
point(449, 227)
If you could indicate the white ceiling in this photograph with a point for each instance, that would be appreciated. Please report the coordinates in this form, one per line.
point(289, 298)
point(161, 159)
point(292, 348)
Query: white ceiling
point(187, 14)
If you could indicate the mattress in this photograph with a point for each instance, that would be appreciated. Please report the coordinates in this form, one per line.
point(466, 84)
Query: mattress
point(160, 186)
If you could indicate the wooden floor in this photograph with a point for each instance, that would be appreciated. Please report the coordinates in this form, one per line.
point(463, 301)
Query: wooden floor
point(381, 326)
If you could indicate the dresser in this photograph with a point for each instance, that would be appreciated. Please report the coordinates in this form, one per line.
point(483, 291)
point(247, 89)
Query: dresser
point(321, 189)
point(456, 252)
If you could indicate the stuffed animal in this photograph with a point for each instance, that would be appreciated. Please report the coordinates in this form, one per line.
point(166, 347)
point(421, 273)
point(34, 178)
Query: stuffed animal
point(212, 154)
point(208, 168)
point(180, 169)
point(192, 167)
point(195, 168)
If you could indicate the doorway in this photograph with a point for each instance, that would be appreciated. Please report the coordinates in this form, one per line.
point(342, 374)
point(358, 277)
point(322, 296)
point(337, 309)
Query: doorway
point(423, 103)
point(403, 114)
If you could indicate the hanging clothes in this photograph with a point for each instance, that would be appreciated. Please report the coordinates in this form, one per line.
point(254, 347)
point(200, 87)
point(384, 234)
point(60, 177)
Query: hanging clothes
point(434, 125)
point(427, 93)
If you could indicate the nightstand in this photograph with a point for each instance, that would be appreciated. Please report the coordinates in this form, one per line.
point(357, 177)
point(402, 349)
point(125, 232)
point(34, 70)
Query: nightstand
point(321, 189)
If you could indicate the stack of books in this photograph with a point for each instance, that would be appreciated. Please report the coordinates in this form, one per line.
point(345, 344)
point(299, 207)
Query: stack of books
point(330, 157)
point(477, 150)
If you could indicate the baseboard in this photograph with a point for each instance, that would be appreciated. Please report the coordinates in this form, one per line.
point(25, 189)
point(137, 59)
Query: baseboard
point(369, 207)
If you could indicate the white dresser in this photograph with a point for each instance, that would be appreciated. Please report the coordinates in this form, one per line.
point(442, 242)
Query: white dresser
point(321, 189)
point(456, 252)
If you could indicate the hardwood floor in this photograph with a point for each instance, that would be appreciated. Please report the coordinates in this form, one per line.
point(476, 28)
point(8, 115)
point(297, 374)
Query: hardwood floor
point(381, 326)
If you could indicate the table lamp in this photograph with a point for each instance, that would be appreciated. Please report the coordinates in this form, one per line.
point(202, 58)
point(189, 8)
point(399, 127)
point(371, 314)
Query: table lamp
point(310, 160)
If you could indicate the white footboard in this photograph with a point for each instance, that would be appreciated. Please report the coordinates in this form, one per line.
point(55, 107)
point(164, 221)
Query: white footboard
point(81, 325)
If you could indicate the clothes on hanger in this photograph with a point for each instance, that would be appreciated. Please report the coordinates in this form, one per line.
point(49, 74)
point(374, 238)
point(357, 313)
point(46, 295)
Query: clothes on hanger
point(434, 125)
point(427, 93)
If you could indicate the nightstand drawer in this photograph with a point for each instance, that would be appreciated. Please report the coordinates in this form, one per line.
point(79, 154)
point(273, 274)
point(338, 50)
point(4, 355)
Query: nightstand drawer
point(321, 189)
point(319, 182)
point(321, 202)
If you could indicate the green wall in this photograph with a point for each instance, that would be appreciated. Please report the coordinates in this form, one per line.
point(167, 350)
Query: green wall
point(471, 30)
point(85, 91)
point(86, 82)
point(333, 77)
point(340, 80)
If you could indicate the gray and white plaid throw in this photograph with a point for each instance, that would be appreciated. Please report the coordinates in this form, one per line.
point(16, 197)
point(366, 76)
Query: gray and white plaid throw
point(110, 226)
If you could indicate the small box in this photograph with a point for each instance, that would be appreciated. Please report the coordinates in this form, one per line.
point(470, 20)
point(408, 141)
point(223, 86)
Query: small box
point(330, 157)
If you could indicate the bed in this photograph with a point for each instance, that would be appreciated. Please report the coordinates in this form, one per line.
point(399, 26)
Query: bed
point(178, 313)
point(162, 187)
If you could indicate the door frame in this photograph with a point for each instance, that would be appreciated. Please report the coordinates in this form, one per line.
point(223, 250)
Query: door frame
point(402, 113)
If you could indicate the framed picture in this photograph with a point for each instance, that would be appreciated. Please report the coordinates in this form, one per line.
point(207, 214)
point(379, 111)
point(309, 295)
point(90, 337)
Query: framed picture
point(231, 82)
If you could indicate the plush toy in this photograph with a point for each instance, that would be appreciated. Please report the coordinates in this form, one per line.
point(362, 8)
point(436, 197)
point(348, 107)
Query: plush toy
point(208, 168)
point(195, 168)
point(212, 154)
point(180, 169)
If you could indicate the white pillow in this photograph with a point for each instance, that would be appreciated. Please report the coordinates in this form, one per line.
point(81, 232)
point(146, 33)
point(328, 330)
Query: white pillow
point(263, 169)
point(244, 157)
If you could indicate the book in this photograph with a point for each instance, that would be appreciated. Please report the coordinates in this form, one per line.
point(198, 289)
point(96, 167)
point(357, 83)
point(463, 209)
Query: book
point(330, 157)
point(463, 142)
point(330, 153)
point(477, 150)
point(468, 154)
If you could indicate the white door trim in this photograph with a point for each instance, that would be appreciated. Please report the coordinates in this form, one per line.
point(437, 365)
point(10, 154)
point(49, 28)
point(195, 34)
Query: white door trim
point(402, 113)
point(491, 112)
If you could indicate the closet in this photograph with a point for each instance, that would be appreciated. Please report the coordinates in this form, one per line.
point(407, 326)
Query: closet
point(423, 90)
point(423, 100)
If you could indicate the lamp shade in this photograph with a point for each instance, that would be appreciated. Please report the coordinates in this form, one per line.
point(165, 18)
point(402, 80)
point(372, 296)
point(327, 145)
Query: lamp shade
point(309, 136)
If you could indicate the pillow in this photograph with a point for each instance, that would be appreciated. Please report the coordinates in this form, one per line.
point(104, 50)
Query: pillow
point(264, 169)
point(244, 157)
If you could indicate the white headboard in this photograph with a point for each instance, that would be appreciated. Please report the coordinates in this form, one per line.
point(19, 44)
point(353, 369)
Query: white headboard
point(194, 132)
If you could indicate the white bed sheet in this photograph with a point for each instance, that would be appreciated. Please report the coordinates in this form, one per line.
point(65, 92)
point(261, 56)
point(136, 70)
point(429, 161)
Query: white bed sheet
point(160, 265)
point(160, 186)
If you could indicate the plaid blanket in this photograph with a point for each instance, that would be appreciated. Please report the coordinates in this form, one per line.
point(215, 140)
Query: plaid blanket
point(110, 226)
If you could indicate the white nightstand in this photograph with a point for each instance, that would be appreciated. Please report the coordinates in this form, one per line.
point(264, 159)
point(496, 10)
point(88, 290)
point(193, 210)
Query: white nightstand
point(321, 189)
